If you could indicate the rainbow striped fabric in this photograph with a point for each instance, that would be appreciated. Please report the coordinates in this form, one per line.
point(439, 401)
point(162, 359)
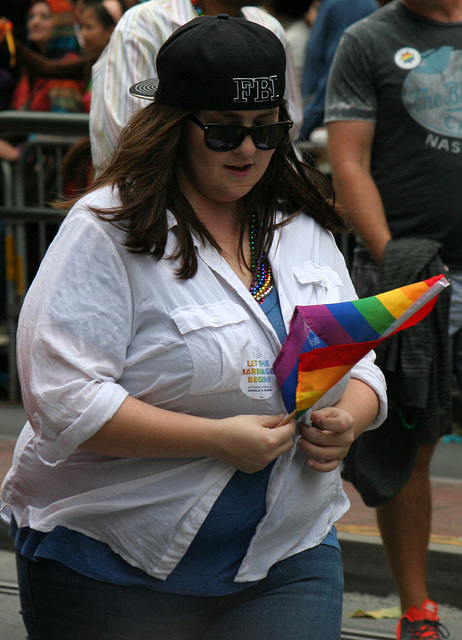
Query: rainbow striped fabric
point(325, 341)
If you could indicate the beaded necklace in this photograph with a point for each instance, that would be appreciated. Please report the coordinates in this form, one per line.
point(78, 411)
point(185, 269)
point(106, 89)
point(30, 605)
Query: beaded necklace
point(196, 8)
point(262, 282)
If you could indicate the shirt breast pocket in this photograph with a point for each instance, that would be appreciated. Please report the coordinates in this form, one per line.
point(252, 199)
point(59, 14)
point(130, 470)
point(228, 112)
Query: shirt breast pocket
point(318, 284)
point(216, 336)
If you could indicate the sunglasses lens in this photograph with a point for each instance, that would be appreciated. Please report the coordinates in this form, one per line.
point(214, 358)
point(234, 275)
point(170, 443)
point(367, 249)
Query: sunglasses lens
point(224, 137)
point(270, 136)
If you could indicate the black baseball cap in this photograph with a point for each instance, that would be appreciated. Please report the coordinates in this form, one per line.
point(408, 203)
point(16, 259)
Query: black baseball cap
point(218, 63)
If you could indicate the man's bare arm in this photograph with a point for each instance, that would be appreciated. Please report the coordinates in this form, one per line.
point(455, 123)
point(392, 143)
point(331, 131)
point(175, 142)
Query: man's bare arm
point(350, 145)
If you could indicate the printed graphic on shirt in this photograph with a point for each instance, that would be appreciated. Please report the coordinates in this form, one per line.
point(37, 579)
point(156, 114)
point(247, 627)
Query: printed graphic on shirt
point(407, 58)
point(432, 95)
point(258, 380)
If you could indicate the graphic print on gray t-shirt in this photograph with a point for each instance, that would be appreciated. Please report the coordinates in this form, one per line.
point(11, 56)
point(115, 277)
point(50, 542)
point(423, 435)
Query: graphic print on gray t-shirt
point(432, 91)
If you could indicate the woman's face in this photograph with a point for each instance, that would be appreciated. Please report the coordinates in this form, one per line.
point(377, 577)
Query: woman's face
point(95, 35)
point(208, 176)
point(39, 25)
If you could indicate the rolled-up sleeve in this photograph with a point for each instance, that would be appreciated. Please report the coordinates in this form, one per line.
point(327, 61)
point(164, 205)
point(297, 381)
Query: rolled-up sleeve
point(366, 371)
point(73, 334)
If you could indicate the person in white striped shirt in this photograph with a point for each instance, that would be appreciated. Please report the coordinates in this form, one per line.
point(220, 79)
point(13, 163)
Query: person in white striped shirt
point(131, 54)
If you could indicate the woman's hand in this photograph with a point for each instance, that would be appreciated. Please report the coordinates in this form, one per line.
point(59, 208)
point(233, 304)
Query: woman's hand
point(249, 443)
point(246, 442)
point(333, 429)
point(328, 439)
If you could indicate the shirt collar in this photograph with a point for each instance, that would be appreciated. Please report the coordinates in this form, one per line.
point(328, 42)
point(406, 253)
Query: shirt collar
point(171, 220)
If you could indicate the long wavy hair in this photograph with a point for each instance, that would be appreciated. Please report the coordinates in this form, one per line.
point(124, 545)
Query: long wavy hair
point(143, 168)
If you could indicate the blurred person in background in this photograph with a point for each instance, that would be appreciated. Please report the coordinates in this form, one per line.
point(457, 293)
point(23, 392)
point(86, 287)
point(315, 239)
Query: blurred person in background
point(395, 138)
point(75, 67)
point(51, 35)
point(97, 22)
point(81, 5)
point(297, 17)
point(333, 17)
point(50, 31)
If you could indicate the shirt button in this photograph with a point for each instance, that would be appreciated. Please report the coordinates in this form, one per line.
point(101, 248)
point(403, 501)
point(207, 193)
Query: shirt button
point(216, 319)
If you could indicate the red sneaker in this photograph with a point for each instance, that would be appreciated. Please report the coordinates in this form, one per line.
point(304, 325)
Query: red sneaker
point(421, 624)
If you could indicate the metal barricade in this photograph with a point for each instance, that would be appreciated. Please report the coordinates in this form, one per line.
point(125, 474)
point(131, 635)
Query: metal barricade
point(26, 199)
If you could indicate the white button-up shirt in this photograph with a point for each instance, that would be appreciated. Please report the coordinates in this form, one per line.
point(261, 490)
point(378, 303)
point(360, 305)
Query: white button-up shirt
point(131, 57)
point(99, 323)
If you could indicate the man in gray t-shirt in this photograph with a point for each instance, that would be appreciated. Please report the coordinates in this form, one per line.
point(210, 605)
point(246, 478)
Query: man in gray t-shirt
point(394, 120)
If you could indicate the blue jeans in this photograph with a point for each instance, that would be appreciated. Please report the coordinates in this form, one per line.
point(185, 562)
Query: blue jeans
point(300, 599)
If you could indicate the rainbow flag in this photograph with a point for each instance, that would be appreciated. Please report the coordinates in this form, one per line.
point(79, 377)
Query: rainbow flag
point(325, 341)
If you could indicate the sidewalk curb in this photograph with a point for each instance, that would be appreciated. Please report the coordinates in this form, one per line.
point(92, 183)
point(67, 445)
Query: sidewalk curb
point(366, 569)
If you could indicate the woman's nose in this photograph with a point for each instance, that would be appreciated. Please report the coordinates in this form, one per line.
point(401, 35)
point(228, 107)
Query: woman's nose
point(247, 146)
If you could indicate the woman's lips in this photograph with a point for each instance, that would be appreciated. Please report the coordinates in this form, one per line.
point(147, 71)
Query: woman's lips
point(240, 170)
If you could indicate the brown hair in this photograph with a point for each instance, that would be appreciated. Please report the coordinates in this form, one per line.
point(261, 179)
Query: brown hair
point(143, 168)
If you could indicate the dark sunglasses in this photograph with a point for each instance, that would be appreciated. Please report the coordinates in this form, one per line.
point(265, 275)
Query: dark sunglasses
point(225, 137)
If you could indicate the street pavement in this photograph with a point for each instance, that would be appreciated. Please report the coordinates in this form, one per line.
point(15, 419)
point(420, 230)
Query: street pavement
point(368, 583)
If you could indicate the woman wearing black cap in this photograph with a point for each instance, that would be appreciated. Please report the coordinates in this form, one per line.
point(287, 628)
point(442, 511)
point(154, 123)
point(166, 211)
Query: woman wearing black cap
point(154, 492)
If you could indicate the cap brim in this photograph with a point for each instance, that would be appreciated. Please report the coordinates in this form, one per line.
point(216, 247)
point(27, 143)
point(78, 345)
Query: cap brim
point(145, 89)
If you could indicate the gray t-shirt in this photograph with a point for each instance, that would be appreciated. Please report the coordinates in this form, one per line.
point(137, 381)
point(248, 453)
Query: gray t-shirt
point(404, 72)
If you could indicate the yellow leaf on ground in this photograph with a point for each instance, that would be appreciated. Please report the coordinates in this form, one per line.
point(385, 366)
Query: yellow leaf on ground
point(379, 614)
